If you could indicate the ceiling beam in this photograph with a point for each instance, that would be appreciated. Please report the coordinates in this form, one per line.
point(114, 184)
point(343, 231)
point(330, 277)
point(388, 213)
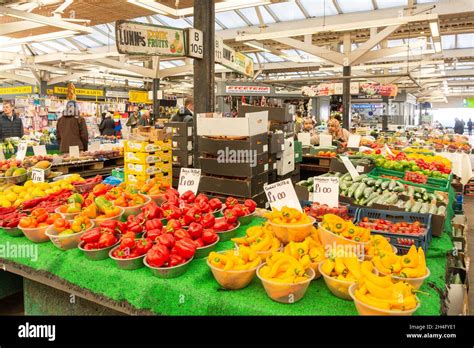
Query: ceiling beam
point(68, 77)
point(245, 19)
point(375, 5)
point(175, 71)
point(273, 14)
point(336, 5)
point(302, 8)
point(119, 65)
point(321, 52)
point(51, 21)
point(9, 28)
point(19, 78)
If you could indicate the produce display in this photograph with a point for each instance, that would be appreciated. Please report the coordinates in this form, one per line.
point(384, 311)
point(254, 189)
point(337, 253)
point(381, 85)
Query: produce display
point(243, 259)
point(100, 237)
point(310, 252)
point(415, 228)
point(329, 154)
point(39, 217)
point(284, 269)
point(346, 268)
point(259, 239)
point(377, 245)
point(288, 216)
point(345, 229)
point(101, 209)
point(411, 265)
point(79, 224)
point(131, 247)
point(318, 210)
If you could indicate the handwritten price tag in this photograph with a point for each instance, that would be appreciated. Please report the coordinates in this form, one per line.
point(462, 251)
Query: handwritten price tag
point(39, 150)
point(282, 193)
point(326, 191)
point(74, 151)
point(189, 180)
point(37, 175)
point(350, 167)
point(21, 153)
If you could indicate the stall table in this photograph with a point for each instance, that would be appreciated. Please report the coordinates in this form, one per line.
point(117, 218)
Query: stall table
point(102, 284)
point(312, 165)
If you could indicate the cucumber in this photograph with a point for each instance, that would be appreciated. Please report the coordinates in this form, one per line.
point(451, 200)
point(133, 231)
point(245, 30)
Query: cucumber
point(360, 178)
point(384, 185)
point(433, 209)
point(360, 191)
point(343, 185)
point(439, 197)
point(370, 182)
point(416, 207)
point(398, 189)
point(368, 191)
point(425, 208)
point(417, 195)
point(379, 191)
point(392, 185)
point(378, 183)
point(337, 174)
point(352, 189)
point(426, 197)
point(345, 176)
point(363, 201)
point(441, 210)
point(408, 205)
point(371, 202)
point(374, 194)
point(392, 199)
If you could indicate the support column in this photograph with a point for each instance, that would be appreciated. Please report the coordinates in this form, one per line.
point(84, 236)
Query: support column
point(43, 88)
point(204, 99)
point(156, 101)
point(346, 96)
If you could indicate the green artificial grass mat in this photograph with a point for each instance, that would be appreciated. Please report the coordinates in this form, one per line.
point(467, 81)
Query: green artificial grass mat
point(197, 293)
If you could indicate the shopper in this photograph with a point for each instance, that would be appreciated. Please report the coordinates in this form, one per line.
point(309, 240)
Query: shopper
point(107, 126)
point(132, 121)
point(145, 119)
point(71, 129)
point(469, 126)
point(338, 133)
point(458, 126)
point(298, 122)
point(10, 124)
point(185, 114)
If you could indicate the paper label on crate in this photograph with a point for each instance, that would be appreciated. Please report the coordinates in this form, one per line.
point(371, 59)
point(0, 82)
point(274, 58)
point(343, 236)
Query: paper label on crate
point(265, 148)
point(326, 191)
point(2, 155)
point(282, 147)
point(305, 139)
point(94, 146)
point(37, 175)
point(189, 180)
point(281, 194)
point(360, 169)
point(74, 151)
point(190, 131)
point(265, 167)
point(40, 150)
point(325, 140)
point(21, 153)
point(350, 167)
point(354, 140)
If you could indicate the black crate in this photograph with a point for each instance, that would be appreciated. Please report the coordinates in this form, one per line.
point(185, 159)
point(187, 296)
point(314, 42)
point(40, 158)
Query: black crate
point(247, 187)
point(218, 166)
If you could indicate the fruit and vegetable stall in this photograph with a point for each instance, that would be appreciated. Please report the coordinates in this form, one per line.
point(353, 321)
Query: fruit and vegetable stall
point(146, 249)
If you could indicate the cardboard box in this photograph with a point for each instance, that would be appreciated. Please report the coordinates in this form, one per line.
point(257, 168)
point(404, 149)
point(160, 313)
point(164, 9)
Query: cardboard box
point(237, 187)
point(216, 125)
point(134, 179)
point(274, 113)
point(289, 149)
point(286, 165)
point(214, 146)
point(182, 158)
point(152, 134)
point(276, 142)
point(166, 155)
point(457, 294)
point(141, 157)
point(288, 128)
point(221, 166)
point(146, 146)
point(180, 129)
point(141, 169)
point(459, 241)
point(336, 165)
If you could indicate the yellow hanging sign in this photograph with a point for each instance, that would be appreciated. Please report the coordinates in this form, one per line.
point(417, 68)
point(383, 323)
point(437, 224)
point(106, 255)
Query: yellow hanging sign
point(80, 91)
point(16, 90)
point(138, 97)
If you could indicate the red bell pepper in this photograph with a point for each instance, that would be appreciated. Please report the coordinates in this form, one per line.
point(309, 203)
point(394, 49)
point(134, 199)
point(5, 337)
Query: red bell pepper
point(109, 224)
point(209, 236)
point(127, 243)
point(221, 225)
point(157, 256)
point(195, 230)
point(230, 216)
point(134, 227)
point(129, 234)
point(237, 210)
point(167, 240)
point(122, 227)
point(172, 226)
point(154, 224)
point(193, 215)
point(199, 243)
point(230, 202)
point(92, 246)
point(152, 211)
point(204, 206)
point(153, 234)
point(201, 198)
point(250, 204)
point(208, 220)
point(181, 233)
point(91, 236)
point(172, 212)
point(106, 240)
point(175, 260)
point(188, 196)
point(185, 207)
point(185, 248)
point(215, 204)
point(143, 245)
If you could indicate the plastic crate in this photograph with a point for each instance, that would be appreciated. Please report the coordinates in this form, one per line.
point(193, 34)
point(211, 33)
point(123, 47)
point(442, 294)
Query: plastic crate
point(351, 210)
point(397, 239)
point(432, 183)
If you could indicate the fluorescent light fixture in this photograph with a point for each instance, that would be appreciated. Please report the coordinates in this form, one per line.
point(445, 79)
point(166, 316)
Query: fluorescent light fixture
point(434, 29)
point(40, 38)
point(437, 46)
point(219, 7)
point(257, 45)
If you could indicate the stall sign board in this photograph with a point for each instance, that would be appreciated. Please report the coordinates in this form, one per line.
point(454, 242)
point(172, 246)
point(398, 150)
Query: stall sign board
point(189, 180)
point(282, 194)
point(148, 39)
point(326, 191)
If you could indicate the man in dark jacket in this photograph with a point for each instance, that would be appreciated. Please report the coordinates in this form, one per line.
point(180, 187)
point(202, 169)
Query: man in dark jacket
point(71, 129)
point(186, 114)
point(107, 126)
point(10, 124)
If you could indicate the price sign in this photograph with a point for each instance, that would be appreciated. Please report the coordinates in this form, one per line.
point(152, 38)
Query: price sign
point(325, 140)
point(326, 191)
point(195, 43)
point(354, 140)
point(189, 180)
point(305, 139)
point(388, 151)
point(74, 151)
point(350, 167)
point(2, 155)
point(37, 175)
point(282, 193)
point(21, 153)
point(95, 146)
point(40, 150)
point(360, 169)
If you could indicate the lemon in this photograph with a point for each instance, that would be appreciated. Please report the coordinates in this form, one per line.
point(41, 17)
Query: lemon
point(17, 202)
point(27, 197)
point(5, 203)
point(28, 184)
point(11, 196)
point(17, 189)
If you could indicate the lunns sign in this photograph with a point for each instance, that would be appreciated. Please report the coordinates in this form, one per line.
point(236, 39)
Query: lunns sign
point(147, 39)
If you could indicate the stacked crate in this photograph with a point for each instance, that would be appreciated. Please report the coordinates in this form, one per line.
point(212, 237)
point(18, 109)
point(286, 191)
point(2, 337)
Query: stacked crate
point(147, 159)
point(234, 156)
point(182, 146)
point(276, 145)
